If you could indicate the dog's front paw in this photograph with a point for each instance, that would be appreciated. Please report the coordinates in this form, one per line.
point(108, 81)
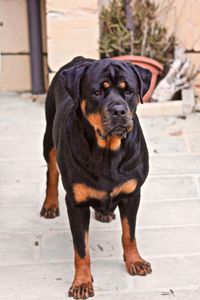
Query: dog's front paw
point(140, 268)
point(81, 290)
point(50, 211)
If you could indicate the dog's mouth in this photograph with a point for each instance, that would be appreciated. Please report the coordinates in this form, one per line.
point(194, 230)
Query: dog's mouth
point(119, 130)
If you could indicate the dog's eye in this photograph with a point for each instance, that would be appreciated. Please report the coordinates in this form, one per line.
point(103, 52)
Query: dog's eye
point(99, 92)
point(128, 92)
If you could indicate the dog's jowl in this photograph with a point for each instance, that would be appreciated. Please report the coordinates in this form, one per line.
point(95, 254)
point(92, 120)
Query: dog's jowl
point(94, 137)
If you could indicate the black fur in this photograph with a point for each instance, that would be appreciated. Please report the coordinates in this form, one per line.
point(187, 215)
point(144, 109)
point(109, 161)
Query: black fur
point(79, 158)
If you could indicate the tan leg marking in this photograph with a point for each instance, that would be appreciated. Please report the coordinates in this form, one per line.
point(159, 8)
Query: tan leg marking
point(82, 192)
point(135, 264)
point(50, 207)
point(126, 188)
point(82, 287)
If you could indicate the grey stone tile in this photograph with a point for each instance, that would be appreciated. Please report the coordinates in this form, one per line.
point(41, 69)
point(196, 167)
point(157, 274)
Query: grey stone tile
point(194, 142)
point(166, 144)
point(15, 107)
point(156, 295)
point(40, 279)
point(109, 276)
point(107, 243)
point(22, 147)
point(57, 246)
point(172, 250)
point(169, 213)
point(164, 188)
point(22, 171)
point(174, 164)
point(19, 194)
point(16, 248)
point(157, 127)
point(27, 219)
point(11, 128)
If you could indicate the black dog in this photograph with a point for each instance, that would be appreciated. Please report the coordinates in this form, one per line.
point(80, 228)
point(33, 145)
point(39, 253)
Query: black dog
point(94, 135)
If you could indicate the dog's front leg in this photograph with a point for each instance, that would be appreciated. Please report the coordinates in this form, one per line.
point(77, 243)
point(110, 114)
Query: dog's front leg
point(79, 218)
point(135, 264)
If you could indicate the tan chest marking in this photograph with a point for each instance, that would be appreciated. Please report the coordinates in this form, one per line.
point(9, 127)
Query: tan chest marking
point(114, 143)
point(126, 188)
point(82, 192)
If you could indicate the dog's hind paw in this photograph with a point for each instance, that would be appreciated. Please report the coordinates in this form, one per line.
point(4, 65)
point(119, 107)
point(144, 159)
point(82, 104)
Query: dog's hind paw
point(104, 218)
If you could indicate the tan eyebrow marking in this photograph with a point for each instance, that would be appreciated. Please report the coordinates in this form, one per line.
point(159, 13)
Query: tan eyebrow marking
point(106, 84)
point(122, 84)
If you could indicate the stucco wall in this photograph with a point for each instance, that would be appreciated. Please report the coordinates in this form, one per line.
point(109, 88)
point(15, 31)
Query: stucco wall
point(15, 67)
point(72, 29)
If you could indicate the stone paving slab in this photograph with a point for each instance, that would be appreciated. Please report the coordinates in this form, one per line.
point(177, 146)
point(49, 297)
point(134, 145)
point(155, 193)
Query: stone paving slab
point(175, 165)
point(57, 246)
point(194, 143)
point(22, 171)
point(36, 280)
point(36, 255)
point(18, 147)
point(15, 193)
point(156, 295)
point(164, 213)
point(169, 187)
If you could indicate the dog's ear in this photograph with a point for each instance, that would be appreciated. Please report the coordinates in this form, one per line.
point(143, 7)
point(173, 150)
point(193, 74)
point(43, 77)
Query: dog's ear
point(71, 79)
point(144, 78)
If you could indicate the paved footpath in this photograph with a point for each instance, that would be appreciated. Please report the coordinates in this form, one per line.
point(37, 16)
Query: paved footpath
point(36, 256)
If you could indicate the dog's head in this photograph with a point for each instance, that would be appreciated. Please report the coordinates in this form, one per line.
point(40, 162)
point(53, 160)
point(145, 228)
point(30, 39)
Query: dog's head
point(107, 93)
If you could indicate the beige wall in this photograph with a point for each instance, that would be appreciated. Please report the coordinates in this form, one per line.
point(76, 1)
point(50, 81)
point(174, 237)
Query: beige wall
point(15, 67)
point(72, 29)
point(183, 19)
point(15, 71)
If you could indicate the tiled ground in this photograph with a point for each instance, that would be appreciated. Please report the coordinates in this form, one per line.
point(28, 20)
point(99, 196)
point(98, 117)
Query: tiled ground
point(168, 222)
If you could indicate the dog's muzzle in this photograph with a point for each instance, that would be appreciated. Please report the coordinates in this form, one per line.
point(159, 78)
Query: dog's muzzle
point(117, 120)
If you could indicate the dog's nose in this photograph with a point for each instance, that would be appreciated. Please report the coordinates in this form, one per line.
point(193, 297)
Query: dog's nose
point(118, 110)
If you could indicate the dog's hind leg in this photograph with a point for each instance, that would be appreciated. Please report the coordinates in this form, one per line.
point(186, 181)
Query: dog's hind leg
point(50, 208)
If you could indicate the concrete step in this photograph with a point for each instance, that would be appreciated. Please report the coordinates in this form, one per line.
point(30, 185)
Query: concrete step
point(110, 277)
point(193, 294)
point(26, 218)
point(57, 246)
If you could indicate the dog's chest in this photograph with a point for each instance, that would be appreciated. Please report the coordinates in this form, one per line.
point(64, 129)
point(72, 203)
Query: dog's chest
point(83, 192)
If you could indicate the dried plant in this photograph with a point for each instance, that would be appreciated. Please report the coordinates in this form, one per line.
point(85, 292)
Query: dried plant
point(147, 36)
